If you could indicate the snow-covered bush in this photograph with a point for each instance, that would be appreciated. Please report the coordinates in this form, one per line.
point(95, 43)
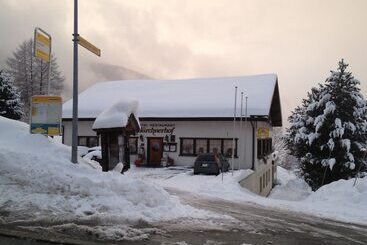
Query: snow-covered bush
point(327, 132)
point(10, 105)
point(284, 159)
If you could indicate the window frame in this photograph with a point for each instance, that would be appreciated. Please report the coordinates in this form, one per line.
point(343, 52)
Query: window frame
point(264, 147)
point(194, 154)
point(193, 147)
point(87, 138)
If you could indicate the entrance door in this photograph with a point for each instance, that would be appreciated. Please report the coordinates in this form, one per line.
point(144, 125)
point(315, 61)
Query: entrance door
point(155, 151)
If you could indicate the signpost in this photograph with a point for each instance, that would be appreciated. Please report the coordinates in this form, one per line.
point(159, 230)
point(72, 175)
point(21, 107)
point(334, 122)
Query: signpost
point(89, 46)
point(46, 115)
point(42, 44)
point(81, 41)
point(42, 50)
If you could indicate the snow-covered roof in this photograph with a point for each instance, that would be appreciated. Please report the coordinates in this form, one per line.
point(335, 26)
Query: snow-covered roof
point(117, 115)
point(184, 98)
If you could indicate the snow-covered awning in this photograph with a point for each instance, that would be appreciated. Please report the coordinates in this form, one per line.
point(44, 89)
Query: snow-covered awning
point(117, 115)
point(201, 98)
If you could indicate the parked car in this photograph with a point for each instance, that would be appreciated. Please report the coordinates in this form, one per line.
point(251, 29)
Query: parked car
point(210, 163)
point(94, 153)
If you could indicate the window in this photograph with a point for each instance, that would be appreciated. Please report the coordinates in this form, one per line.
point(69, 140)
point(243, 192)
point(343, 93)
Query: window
point(201, 146)
point(88, 141)
point(263, 181)
point(227, 147)
point(169, 147)
point(187, 147)
point(82, 141)
point(133, 145)
point(197, 146)
point(264, 147)
point(215, 146)
point(92, 141)
point(261, 184)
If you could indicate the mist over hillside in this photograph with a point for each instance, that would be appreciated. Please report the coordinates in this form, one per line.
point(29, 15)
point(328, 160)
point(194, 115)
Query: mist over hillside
point(108, 72)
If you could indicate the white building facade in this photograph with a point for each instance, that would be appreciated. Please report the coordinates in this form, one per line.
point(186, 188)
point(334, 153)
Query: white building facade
point(183, 118)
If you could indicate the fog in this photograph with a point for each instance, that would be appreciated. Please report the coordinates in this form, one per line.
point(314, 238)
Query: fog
point(300, 40)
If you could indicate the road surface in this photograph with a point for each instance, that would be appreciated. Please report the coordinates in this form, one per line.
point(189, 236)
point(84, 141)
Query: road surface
point(249, 224)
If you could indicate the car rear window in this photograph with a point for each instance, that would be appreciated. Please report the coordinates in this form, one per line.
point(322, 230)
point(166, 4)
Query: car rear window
point(205, 158)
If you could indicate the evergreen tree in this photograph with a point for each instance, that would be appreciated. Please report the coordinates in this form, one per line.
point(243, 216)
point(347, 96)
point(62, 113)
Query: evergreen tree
point(30, 75)
point(328, 132)
point(10, 105)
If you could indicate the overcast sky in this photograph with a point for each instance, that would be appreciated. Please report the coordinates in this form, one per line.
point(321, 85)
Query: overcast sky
point(299, 40)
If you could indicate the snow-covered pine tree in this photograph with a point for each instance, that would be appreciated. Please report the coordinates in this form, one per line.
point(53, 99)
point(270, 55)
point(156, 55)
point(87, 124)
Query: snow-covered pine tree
point(10, 105)
point(329, 130)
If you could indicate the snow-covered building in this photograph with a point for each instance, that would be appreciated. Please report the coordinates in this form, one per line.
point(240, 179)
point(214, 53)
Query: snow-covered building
point(183, 118)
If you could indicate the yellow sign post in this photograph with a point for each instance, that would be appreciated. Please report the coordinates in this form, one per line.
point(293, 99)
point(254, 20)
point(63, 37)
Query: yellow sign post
point(42, 45)
point(42, 50)
point(84, 43)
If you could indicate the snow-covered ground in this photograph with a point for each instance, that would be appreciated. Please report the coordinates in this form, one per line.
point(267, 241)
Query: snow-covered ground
point(39, 183)
point(338, 200)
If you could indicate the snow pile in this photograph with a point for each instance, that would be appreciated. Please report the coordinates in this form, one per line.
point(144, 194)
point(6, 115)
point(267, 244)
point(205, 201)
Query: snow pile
point(117, 115)
point(290, 187)
point(38, 182)
point(338, 200)
point(341, 200)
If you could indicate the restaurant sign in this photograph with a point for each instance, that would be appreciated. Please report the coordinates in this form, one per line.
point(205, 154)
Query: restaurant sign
point(157, 128)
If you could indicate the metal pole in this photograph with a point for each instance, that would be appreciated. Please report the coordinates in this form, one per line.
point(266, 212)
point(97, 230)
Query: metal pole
point(241, 129)
point(74, 147)
point(326, 167)
point(360, 165)
point(41, 78)
point(234, 126)
point(49, 69)
point(244, 136)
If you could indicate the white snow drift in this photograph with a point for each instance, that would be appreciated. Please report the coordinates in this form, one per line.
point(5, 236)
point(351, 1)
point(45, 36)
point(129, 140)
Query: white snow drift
point(38, 182)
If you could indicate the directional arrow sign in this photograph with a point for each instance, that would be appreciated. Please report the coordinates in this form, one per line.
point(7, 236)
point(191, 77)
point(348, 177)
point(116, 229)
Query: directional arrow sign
point(89, 46)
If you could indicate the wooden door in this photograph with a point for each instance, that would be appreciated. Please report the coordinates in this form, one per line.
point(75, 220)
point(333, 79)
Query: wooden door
point(155, 151)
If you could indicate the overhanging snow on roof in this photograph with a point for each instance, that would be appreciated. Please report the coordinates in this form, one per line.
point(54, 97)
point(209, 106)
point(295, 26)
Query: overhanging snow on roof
point(184, 98)
point(117, 115)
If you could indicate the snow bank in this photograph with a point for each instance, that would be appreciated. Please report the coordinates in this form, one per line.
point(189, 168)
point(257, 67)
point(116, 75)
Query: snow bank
point(290, 187)
point(341, 200)
point(117, 115)
point(337, 200)
point(38, 182)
